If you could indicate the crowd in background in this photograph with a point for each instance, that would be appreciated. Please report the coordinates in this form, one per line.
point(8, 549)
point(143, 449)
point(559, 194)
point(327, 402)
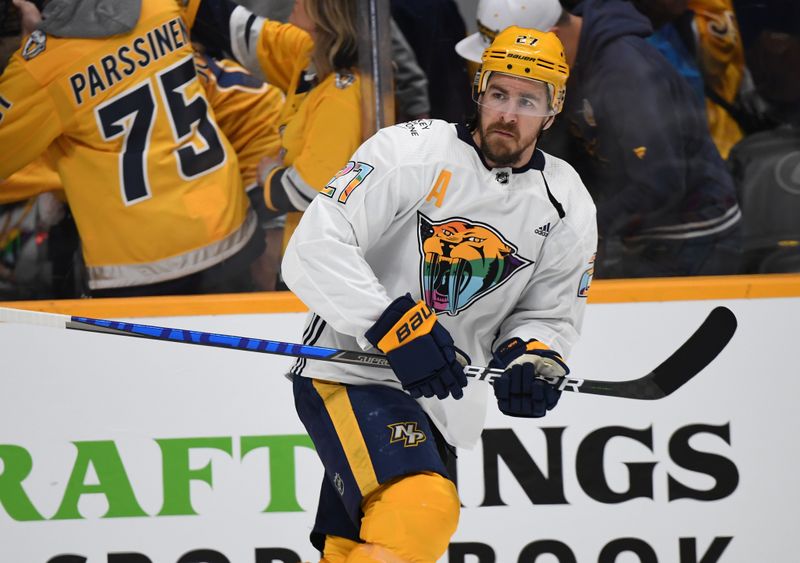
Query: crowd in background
point(682, 117)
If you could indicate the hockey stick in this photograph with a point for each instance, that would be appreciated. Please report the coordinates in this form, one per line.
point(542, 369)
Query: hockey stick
point(687, 361)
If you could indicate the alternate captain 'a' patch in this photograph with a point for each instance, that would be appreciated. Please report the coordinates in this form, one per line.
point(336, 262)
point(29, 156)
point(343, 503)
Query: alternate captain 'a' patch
point(462, 261)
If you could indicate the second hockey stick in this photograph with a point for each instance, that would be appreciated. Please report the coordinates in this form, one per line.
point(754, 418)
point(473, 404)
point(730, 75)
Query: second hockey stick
point(687, 361)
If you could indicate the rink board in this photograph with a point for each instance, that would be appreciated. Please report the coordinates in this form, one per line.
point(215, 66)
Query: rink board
point(131, 451)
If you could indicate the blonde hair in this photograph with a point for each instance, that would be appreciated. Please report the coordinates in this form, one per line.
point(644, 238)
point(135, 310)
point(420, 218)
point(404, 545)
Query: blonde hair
point(335, 37)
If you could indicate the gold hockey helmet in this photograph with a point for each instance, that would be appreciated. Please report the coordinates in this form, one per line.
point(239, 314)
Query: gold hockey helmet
point(526, 53)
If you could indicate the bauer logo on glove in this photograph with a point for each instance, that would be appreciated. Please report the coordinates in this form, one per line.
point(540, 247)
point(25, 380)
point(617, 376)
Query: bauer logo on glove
point(419, 349)
point(418, 320)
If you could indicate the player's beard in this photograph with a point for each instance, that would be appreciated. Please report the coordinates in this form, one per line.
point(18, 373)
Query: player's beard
point(504, 151)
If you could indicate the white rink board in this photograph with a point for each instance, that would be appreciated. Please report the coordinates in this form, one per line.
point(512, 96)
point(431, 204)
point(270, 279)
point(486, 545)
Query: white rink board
point(65, 392)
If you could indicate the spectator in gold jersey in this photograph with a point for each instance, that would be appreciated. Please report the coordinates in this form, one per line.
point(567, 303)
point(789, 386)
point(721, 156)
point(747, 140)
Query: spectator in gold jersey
point(155, 187)
point(245, 112)
point(313, 59)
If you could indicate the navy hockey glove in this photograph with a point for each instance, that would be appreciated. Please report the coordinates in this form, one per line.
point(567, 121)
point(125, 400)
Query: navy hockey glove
point(419, 349)
point(518, 391)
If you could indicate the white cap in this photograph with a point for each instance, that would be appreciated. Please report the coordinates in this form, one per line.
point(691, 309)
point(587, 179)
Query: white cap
point(496, 15)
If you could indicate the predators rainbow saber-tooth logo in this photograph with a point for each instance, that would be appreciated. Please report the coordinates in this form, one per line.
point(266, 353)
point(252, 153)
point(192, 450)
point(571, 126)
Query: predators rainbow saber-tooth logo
point(462, 261)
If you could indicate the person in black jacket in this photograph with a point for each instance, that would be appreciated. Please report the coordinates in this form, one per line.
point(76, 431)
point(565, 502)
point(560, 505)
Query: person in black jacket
point(766, 164)
point(432, 28)
point(634, 130)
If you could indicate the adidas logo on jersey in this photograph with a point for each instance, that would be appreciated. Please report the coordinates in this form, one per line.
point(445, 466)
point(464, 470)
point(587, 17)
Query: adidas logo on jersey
point(544, 230)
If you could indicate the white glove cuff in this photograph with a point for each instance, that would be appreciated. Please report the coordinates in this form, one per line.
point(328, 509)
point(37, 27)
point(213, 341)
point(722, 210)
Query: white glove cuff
point(544, 366)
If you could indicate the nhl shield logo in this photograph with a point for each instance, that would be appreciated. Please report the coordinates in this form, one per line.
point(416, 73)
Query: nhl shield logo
point(338, 482)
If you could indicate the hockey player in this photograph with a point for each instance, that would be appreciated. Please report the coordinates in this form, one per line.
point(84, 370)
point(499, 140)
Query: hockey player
point(434, 236)
point(313, 59)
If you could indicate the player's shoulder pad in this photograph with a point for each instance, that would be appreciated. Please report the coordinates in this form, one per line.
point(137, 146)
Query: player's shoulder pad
point(39, 56)
point(412, 137)
point(410, 142)
point(417, 129)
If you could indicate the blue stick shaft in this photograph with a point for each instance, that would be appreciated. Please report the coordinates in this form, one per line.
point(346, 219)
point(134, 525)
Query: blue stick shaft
point(227, 341)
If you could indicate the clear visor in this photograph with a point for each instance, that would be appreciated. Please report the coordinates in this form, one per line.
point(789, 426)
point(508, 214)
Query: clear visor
point(522, 97)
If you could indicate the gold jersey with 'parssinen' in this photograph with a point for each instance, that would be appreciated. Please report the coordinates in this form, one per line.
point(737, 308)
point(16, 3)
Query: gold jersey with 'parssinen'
point(153, 184)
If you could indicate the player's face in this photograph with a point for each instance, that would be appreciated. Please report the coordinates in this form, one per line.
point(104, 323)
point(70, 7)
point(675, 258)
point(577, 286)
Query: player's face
point(507, 131)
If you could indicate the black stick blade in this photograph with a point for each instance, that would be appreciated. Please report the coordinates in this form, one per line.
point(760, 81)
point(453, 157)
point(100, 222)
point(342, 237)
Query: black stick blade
point(691, 358)
point(697, 352)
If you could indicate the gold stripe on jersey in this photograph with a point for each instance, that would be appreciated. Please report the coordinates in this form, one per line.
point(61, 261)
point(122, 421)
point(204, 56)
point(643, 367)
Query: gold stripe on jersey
point(107, 277)
point(337, 403)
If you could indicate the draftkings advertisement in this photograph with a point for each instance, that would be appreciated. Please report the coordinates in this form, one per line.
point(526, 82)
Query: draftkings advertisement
point(126, 450)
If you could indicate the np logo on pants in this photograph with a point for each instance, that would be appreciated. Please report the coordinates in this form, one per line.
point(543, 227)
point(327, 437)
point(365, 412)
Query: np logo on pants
point(408, 433)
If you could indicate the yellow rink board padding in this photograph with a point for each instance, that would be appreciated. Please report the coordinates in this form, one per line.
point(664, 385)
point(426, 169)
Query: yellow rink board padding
point(602, 291)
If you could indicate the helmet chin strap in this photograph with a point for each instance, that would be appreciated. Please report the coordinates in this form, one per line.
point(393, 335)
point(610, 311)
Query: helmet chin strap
point(546, 125)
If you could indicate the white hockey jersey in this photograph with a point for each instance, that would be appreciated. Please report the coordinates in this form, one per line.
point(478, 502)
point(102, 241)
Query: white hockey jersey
point(496, 252)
